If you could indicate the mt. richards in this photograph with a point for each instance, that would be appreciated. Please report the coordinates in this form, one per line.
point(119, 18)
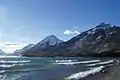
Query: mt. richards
point(102, 40)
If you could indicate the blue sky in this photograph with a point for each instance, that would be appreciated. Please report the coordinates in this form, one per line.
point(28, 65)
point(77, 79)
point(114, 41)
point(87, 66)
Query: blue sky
point(28, 21)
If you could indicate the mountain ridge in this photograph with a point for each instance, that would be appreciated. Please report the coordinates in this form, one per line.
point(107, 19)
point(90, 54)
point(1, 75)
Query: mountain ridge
point(102, 40)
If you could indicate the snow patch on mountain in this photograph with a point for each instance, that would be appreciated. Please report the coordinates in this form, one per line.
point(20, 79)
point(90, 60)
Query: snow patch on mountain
point(103, 26)
point(51, 40)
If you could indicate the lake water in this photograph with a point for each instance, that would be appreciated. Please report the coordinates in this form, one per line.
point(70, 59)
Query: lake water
point(23, 68)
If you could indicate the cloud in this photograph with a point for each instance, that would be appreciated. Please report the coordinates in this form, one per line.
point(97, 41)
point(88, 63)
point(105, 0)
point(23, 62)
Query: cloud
point(71, 32)
point(76, 32)
point(11, 44)
point(10, 47)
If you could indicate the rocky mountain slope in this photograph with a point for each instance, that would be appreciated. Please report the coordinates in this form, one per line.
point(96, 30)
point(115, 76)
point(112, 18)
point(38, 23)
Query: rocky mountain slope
point(102, 40)
point(47, 42)
point(40, 47)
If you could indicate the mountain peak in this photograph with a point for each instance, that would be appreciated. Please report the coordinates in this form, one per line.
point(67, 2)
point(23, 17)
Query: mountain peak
point(50, 40)
point(103, 25)
point(51, 36)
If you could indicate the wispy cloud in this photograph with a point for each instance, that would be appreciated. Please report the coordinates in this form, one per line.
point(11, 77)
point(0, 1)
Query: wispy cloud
point(11, 44)
point(71, 32)
point(10, 47)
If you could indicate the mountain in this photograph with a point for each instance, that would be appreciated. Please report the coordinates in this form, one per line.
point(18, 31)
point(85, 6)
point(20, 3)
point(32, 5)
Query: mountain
point(48, 41)
point(102, 40)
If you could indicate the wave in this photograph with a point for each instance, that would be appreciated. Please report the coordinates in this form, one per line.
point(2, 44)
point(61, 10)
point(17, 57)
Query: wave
point(64, 60)
point(85, 73)
point(7, 66)
point(14, 62)
point(2, 71)
point(73, 63)
point(101, 63)
point(4, 56)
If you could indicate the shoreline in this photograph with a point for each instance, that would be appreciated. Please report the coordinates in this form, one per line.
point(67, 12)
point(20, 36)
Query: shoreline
point(109, 73)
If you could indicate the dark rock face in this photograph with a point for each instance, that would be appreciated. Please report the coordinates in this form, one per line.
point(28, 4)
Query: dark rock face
point(103, 40)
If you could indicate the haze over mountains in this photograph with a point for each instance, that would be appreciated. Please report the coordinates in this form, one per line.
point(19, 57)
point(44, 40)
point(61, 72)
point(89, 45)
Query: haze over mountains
point(19, 51)
point(102, 40)
point(1, 52)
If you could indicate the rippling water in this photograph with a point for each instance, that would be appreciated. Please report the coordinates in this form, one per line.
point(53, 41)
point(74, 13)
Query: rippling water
point(23, 68)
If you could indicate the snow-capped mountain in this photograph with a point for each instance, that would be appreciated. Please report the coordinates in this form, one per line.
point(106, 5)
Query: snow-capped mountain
point(103, 39)
point(45, 44)
point(103, 26)
point(48, 41)
point(96, 41)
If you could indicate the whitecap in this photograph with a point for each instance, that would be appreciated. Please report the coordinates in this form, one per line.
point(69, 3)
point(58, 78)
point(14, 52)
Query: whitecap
point(73, 63)
point(101, 63)
point(22, 61)
point(58, 61)
point(7, 66)
point(2, 71)
point(85, 73)
point(4, 56)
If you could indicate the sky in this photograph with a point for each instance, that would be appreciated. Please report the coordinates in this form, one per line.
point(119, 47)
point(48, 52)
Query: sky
point(24, 22)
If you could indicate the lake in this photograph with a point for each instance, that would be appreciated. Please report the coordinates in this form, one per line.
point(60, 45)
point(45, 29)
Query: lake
point(38, 68)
